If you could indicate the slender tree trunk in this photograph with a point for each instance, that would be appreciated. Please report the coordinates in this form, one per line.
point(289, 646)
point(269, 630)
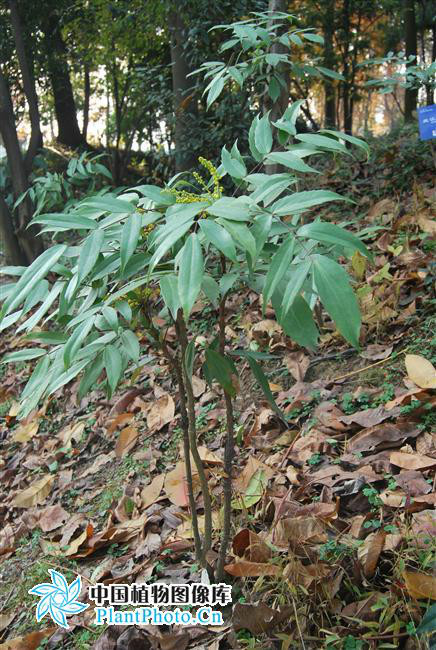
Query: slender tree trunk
point(346, 95)
point(279, 106)
point(329, 62)
point(28, 85)
point(87, 95)
point(28, 242)
point(185, 107)
point(13, 253)
point(65, 107)
point(411, 94)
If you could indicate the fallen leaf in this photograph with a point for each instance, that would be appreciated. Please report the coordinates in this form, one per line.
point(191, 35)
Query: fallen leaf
point(52, 517)
point(176, 486)
point(420, 585)
point(381, 436)
point(25, 432)
point(249, 545)
point(35, 493)
point(299, 530)
point(411, 461)
point(150, 492)
point(259, 618)
point(244, 569)
point(72, 432)
point(369, 417)
point(369, 552)
point(375, 352)
point(126, 441)
point(420, 371)
point(198, 386)
point(161, 413)
point(29, 641)
point(297, 363)
point(99, 462)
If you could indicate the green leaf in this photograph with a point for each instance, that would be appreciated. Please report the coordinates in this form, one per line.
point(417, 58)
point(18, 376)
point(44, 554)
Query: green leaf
point(169, 288)
point(31, 276)
point(300, 201)
point(67, 376)
point(170, 240)
point(90, 376)
point(428, 622)
point(215, 90)
point(113, 364)
point(314, 38)
point(263, 383)
point(323, 141)
point(31, 322)
point(298, 275)
point(349, 138)
point(189, 358)
point(263, 135)
point(111, 317)
point(37, 377)
point(76, 339)
point(337, 296)
point(332, 234)
point(289, 119)
point(251, 140)
point(190, 273)
point(260, 230)
point(230, 208)
point(130, 343)
point(211, 289)
point(298, 322)
point(23, 355)
point(221, 369)
point(90, 250)
point(109, 204)
point(60, 222)
point(288, 159)
point(232, 166)
point(241, 235)
point(279, 265)
point(129, 238)
point(52, 338)
point(220, 238)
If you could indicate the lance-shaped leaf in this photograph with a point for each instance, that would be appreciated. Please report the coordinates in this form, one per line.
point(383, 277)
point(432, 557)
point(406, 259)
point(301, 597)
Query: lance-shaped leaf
point(23, 355)
point(279, 265)
point(220, 238)
point(298, 275)
point(290, 160)
point(169, 288)
point(338, 297)
point(129, 238)
point(349, 138)
point(113, 364)
point(89, 253)
point(31, 276)
point(332, 234)
point(190, 273)
point(221, 369)
point(263, 383)
point(130, 343)
point(263, 135)
point(241, 236)
point(304, 200)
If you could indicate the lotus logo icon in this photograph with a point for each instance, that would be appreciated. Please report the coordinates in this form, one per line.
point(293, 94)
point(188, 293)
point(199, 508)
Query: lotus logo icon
point(58, 599)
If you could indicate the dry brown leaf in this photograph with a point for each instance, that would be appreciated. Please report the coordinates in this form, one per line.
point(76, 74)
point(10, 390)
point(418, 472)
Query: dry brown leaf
point(161, 413)
point(249, 545)
point(126, 441)
point(382, 436)
point(35, 493)
point(299, 574)
point(299, 530)
point(411, 461)
point(382, 207)
point(198, 386)
point(52, 517)
point(258, 618)
point(25, 432)
point(5, 620)
point(71, 432)
point(151, 491)
point(244, 569)
point(176, 486)
point(297, 363)
point(375, 352)
point(119, 421)
point(426, 224)
point(369, 552)
point(420, 585)
point(29, 641)
point(420, 371)
point(99, 462)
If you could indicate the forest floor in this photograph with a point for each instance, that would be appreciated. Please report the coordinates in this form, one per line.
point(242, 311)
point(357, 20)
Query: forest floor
point(334, 533)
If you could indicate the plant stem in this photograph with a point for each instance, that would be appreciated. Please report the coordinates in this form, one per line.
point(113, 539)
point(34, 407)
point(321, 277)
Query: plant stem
point(192, 430)
point(229, 451)
point(176, 368)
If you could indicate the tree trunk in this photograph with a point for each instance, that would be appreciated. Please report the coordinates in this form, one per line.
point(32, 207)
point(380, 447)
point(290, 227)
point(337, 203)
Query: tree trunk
point(87, 95)
point(279, 106)
point(346, 94)
point(65, 107)
point(28, 84)
point(185, 108)
point(29, 243)
point(411, 94)
point(13, 253)
point(329, 62)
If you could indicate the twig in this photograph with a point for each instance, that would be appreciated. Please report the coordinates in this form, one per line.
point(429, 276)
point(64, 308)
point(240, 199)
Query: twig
point(356, 372)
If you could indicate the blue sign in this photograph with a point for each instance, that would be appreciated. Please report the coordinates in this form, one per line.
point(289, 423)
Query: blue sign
point(427, 122)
